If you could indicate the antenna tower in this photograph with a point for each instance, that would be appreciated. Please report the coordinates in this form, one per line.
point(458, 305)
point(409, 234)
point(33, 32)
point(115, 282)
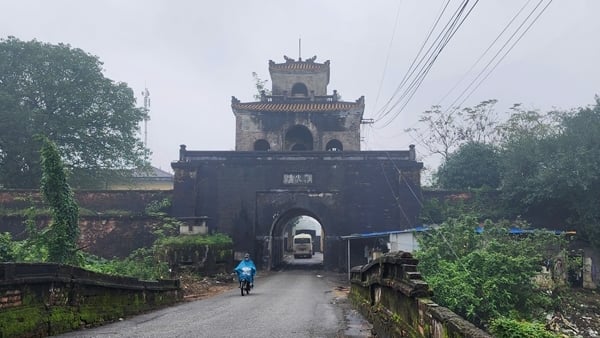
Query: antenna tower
point(146, 95)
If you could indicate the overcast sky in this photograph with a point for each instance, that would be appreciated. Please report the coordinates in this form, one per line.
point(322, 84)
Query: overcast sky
point(194, 55)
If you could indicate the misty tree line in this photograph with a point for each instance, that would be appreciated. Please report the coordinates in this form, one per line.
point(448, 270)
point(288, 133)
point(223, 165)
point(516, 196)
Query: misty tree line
point(543, 164)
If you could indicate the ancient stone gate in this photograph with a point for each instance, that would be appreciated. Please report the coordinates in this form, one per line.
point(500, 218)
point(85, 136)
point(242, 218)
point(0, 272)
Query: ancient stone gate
point(297, 154)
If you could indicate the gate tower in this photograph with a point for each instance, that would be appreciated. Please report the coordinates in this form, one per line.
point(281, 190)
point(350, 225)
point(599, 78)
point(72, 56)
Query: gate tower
point(297, 152)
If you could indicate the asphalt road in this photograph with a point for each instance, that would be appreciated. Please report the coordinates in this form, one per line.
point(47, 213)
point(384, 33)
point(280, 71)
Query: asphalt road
point(292, 303)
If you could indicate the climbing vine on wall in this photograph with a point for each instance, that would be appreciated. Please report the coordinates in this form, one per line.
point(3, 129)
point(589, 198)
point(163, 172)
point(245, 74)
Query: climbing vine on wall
point(63, 232)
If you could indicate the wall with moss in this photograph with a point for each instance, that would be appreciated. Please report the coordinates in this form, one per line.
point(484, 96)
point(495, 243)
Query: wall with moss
point(389, 292)
point(40, 299)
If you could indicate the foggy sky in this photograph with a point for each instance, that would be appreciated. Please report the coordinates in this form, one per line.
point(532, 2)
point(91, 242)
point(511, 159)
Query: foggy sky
point(194, 55)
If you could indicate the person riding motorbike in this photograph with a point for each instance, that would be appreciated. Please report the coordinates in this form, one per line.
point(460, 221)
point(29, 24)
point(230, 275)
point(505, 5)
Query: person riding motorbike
point(246, 267)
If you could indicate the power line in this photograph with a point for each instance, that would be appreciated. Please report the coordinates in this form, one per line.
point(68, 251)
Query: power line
point(484, 53)
point(410, 68)
point(453, 105)
point(455, 23)
point(388, 53)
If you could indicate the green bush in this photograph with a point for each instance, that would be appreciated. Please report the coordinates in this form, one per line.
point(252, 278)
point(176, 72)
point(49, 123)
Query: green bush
point(482, 276)
point(511, 328)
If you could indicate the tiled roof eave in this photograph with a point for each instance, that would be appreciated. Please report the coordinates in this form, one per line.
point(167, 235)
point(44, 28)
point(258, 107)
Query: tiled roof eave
point(297, 107)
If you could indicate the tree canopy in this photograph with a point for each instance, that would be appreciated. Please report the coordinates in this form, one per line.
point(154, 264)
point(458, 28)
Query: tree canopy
point(553, 169)
point(61, 93)
point(546, 164)
point(473, 165)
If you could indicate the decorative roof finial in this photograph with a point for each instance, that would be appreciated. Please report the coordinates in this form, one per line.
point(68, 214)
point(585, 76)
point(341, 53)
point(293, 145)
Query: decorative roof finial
point(299, 49)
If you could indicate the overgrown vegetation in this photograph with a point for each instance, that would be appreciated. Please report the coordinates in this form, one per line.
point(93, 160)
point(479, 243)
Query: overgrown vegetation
point(488, 274)
point(62, 234)
point(58, 242)
point(543, 164)
point(511, 328)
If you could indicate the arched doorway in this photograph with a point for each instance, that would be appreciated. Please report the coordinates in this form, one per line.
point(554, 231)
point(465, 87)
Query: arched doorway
point(299, 89)
point(298, 138)
point(285, 228)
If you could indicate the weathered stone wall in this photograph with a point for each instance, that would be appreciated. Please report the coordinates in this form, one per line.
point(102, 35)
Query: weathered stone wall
point(282, 82)
point(250, 195)
point(112, 223)
point(390, 292)
point(343, 126)
point(38, 300)
point(104, 236)
point(99, 201)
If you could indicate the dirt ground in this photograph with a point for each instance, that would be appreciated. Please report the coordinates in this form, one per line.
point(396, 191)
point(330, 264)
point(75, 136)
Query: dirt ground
point(195, 287)
point(577, 315)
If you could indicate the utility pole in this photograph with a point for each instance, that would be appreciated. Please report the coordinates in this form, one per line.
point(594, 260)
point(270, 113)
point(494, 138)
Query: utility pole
point(146, 95)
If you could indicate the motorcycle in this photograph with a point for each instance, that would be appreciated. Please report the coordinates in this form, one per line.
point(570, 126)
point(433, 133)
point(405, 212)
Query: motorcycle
point(245, 279)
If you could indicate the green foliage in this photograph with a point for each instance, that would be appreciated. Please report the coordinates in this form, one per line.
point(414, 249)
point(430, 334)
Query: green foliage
point(35, 247)
point(261, 86)
point(473, 165)
point(551, 167)
point(142, 264)
point(187, 241)
point(7, 249)
point(63, 232)
point(60, 92)
point(480, 203)
point(484, 276)
point(148, 263)
point(511, 328)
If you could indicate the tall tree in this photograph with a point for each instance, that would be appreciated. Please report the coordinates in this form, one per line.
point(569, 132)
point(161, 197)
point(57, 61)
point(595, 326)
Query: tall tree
point(551, 168)
point(473, 165)
point(60, 92)
point(444, 131)
point(63, 232)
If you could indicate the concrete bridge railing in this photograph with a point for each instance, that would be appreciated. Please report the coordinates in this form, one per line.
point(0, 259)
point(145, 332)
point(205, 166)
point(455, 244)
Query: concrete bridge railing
point(42, 299)
point(389, 291)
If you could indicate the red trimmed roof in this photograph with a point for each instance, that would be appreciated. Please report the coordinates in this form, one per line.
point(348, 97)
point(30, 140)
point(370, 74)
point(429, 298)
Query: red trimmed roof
point(299, 65)
point(296, 107)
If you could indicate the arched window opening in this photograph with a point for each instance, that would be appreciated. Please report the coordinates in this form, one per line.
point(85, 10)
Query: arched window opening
point(299, 89)
point(262, 145)
point(298, 138)
point(334, 145)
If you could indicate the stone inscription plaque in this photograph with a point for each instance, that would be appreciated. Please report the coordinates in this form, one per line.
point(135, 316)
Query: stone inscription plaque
point(297, 178)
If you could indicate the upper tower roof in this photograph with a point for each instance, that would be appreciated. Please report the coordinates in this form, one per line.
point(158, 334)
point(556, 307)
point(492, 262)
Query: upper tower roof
point(308, 66)
point(299, 78)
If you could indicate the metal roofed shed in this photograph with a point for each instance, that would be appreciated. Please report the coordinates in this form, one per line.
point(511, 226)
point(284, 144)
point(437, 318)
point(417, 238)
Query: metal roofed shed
point(397, 240)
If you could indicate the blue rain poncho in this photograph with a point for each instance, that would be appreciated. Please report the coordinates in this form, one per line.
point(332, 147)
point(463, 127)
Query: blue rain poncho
point(246, 269)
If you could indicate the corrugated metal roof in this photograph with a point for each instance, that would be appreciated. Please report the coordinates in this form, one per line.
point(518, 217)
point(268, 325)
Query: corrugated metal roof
point(514, 231)
point(385, 233)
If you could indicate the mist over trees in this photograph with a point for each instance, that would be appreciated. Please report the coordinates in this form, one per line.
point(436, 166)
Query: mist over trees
point(60, 92)
point(545, 164)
